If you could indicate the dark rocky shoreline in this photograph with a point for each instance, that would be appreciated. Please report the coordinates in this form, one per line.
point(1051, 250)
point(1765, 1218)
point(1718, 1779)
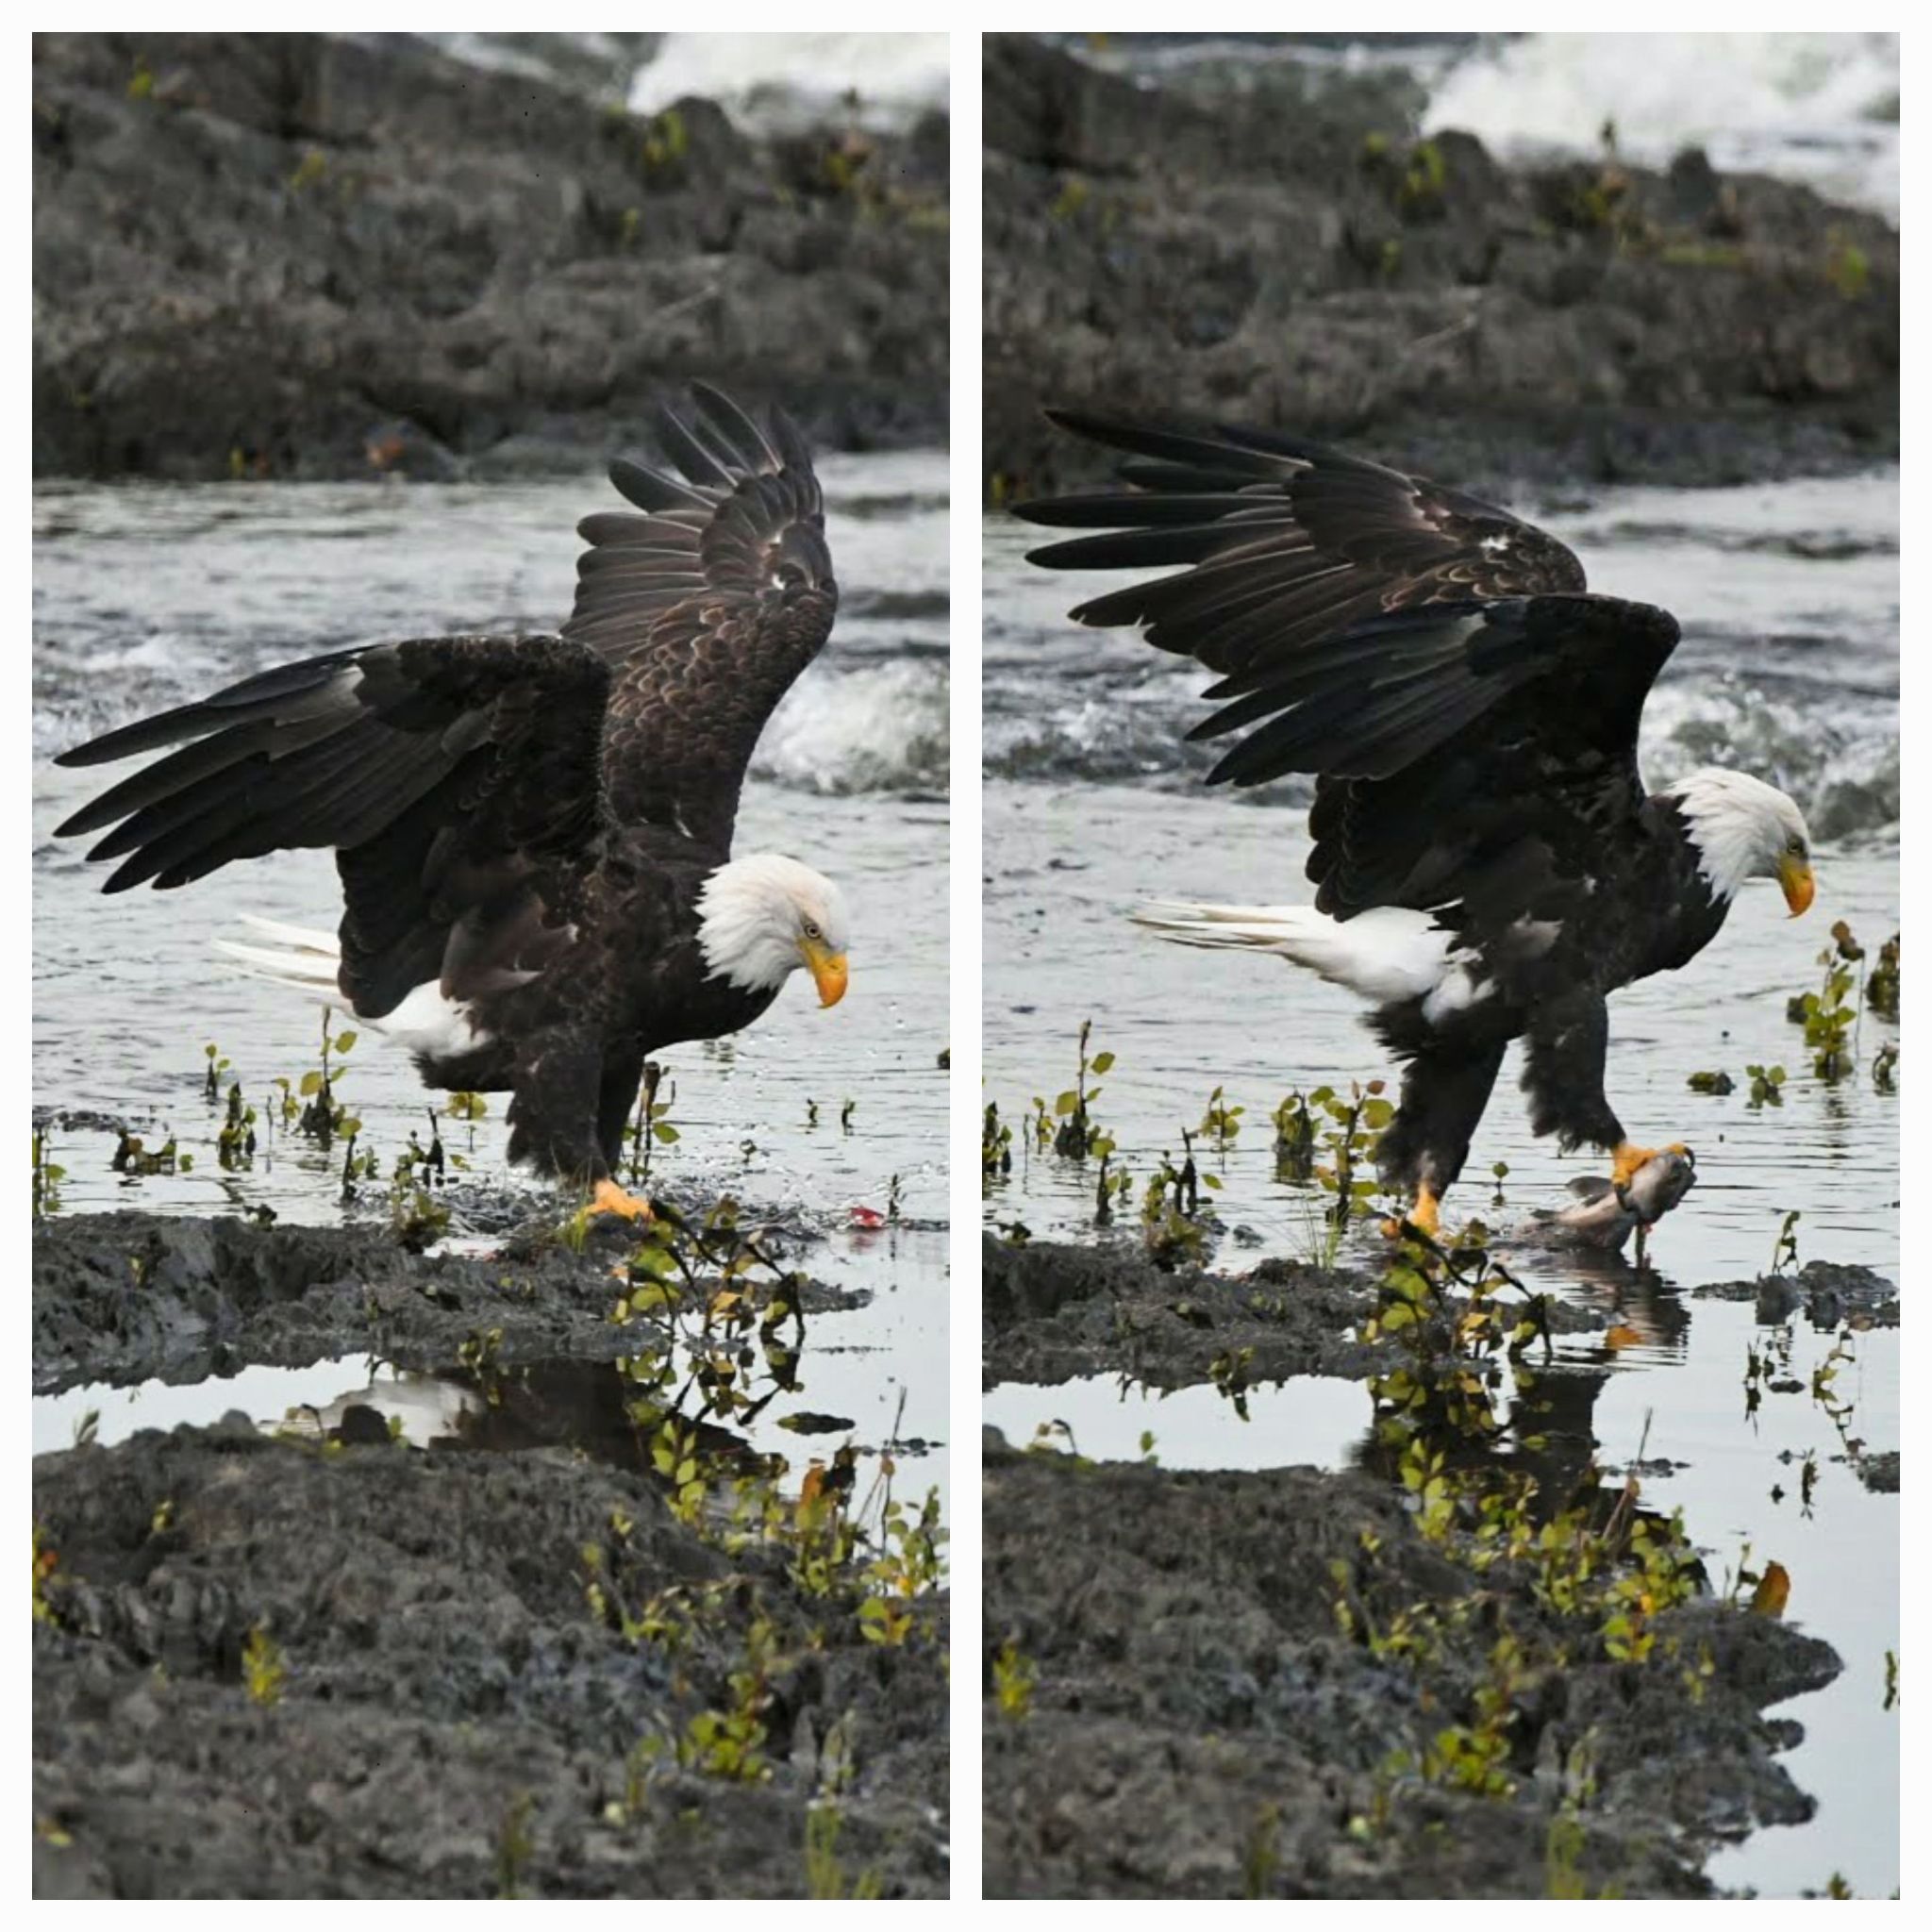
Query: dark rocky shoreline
point(1201, 1729)
point(1225, 1690)
point(1296, 256)
point(336, 1665)
point(324, 256)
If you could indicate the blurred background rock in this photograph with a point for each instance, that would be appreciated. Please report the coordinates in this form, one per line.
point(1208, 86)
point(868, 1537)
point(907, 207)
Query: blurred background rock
point(302, 254)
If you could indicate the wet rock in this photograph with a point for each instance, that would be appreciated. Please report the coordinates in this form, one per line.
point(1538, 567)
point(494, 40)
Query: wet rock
point(1828, 1292)
point(1052, 1311)
point(454, 1716)
point(130, 1297)
point(1200, 1726)
point(1879, 1472)
point(314, 254)
point(1295, 254)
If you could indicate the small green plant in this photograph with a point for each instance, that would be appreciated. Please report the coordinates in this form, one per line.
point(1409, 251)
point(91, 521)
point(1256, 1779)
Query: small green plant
point(1767, 1086)
point(995, 1145)
point(1074, 1137)
point(325, 1118)
point(1784, 1252)
point(1014, 1675)
point(235, 1144)
point(649, 1127)
point(824, 1873)
point(1881, 987)
point(1847, 267)
point(1354, 1128)
point(263, 1670)
point(514, 1845)
point(1171, 1207)
point(1294, 1139)
point(1220, 1122)
point(1830, 1015)
point(45, 1562)
point(48, 1175)
point(309, 172)
point(1425, 176)
point(1261, 1853)
point(1070, 199)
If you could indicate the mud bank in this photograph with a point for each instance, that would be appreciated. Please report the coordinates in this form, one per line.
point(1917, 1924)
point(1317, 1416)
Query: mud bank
point(270, 1670)
point(1295, 254)
point(132, 1297)
point(1054, 1311)
point(319, 256)
point(1200, 1725)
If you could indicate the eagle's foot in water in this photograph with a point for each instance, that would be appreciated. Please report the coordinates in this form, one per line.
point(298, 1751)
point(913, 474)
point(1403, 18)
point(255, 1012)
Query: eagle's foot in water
point(607, 1198)
point(1632, 1160)
point(1425, 1216)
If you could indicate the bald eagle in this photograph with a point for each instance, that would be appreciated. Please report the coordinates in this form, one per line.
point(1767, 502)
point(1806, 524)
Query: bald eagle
point(1487, 863)
point(533, 834)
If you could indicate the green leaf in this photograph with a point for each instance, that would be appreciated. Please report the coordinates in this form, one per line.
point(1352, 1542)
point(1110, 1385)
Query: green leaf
point(1102, 1062)
point(1066, 1103)
point(311, 1084)
point(663, 1130)
point(344, 1041)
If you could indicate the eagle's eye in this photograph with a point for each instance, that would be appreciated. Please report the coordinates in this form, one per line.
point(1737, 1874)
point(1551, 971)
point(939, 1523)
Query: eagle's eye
point(1796, 847)
point(811, 931)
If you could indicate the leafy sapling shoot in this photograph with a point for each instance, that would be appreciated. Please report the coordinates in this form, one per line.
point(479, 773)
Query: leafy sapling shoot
point(650, 1125)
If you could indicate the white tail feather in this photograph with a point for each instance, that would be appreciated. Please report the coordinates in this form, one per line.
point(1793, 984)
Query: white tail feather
point(425, 1020)
point(304, 938)
point(1385, 954)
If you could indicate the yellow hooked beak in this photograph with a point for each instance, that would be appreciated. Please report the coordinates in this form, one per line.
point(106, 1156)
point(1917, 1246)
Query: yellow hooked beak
point(1794, 875)
point(827, 970)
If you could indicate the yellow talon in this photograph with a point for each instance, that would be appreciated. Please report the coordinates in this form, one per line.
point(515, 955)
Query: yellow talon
point(607, 1198)
point(1632, 1160)
point(1425, 1216)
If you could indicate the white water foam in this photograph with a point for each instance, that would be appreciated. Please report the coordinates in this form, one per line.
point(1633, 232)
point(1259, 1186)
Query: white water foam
point(1820, 107)
point(879, 727)
point(780, 83)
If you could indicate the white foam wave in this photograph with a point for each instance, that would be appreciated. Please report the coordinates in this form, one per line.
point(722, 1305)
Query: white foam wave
point(780, 83)
point(876, 727)
point(1822, 108)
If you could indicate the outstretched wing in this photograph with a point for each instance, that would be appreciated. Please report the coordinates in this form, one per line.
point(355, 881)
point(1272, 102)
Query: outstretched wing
point(456, 779)
point(707, 607)
point(1471, 712)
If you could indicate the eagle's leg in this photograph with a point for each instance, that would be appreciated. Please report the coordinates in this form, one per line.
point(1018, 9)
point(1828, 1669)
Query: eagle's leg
point(617, 1093)
point(558, 1118)
point(1563, 1075)
point(1444, 1091)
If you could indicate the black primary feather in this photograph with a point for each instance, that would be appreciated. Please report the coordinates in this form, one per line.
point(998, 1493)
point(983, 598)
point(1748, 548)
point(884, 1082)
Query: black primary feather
point(1388, 636)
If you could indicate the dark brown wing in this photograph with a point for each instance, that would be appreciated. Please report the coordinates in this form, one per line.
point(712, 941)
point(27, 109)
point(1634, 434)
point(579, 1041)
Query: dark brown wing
point(456, 779)
point(1290, 542)
point(1471, 713)
point(707, 607)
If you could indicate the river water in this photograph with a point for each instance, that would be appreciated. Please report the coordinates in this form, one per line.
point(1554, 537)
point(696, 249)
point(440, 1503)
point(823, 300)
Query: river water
point(147, 595)
point(1789, 596)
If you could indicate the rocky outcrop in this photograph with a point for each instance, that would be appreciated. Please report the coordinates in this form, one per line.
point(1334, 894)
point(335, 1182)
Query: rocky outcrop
point(298, 255)
point(1299, 256)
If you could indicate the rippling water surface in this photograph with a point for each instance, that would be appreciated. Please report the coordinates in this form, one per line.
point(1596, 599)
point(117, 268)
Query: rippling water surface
point(1789, 597)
